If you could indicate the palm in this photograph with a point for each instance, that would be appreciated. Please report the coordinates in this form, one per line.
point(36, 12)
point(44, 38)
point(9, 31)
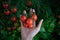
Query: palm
point(27, 32)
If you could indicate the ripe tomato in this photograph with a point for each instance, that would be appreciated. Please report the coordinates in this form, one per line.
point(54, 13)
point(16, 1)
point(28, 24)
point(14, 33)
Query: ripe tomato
point(13, 19)
point(5, 5)
point(29, 21)
point(29, 3)
point(23, 18)
point(25, 25)
point(14, 10)
point(7, 12)
point(34, 16)
point(31, 26)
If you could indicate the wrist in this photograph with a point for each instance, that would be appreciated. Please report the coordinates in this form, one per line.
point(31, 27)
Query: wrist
point(27, 38)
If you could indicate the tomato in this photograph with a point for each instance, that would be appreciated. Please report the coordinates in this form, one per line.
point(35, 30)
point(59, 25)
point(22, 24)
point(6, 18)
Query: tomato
point(5, 5)
point(14, 10)
point(31, 26)
point(29, 21)
point(34, 16)
point(23, 18)
point(25, 25)
point(29, 3)
point(7, 12)
point(13, 19)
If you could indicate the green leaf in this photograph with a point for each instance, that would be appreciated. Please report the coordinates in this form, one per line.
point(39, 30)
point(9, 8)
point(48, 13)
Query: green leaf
point(43, 35)
point(36, 37)
point(42, 29)
point(51, 26)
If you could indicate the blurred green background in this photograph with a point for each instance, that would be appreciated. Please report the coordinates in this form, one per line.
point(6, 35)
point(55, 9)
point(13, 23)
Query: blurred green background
point(49, 10)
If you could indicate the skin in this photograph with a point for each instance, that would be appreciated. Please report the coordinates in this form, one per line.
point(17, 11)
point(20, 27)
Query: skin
point(27, 33)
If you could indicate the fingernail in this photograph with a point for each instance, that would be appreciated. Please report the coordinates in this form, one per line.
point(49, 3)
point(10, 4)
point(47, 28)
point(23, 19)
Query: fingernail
point(30, 9)
point(41, 19)
point(24, 12)
point(33, 10)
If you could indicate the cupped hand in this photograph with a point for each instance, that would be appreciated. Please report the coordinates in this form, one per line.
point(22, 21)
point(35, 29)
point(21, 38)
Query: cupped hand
point(30, 33)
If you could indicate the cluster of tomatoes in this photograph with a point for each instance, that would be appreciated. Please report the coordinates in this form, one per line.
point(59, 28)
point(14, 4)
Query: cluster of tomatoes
point(8, 11)
point(28, 22)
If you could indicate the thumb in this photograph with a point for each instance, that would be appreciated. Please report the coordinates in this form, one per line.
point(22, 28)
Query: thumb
point(37, 29)
point(39, 26)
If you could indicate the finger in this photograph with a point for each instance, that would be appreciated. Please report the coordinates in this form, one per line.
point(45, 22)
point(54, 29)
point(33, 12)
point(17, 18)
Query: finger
point(37, 29)
point(30, 10)
point(24, 12)
point(39, 26)
point(21, 22)
point(40, 23)
point(34, 23)
point(33, 10)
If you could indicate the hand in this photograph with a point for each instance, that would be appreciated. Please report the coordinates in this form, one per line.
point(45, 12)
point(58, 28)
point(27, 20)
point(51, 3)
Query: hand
point(27, 33)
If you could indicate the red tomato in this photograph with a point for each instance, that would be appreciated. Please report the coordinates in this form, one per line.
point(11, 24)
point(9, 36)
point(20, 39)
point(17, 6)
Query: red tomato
point(5, 5)
point(34, 16)
point(13, 19)
point(14, 10)
point(29, 3)
point(29, 21)
point(7, 12)
point(23, 18)
point(31, 26)
point(25, 25)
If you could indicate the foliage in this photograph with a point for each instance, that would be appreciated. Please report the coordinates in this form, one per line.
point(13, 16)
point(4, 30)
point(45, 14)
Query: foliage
point(43, 11)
